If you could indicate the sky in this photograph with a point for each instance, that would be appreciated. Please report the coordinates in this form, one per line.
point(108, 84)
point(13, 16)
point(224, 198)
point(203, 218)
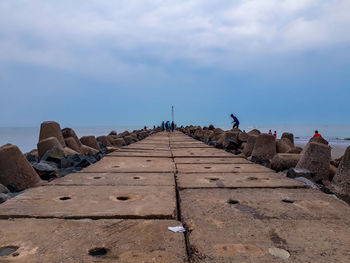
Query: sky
point(125, 62)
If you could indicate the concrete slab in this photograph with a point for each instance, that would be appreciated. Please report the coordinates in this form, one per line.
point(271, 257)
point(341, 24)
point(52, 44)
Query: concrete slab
point(76, 202)
point(267, 203)
point(140, 153)
point(131, 165)
point(222, 168)
point(118, 179)
point(262, 228)
point(197, 160)
point(56, 241)
point(146, 147)
point(201, 152)
point(239, 180)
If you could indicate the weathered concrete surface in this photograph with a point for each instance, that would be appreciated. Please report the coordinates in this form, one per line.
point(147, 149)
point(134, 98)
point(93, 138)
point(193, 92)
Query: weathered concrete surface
point(194, 160)
point(117, 179)
point(267, 203)
point(201, 152)
point(140, 153)
point(230, 180)
point(146, 147)
point(56, 241)
point(93, 202)
point(315, 228)
point(131, 165)
point(221, 168)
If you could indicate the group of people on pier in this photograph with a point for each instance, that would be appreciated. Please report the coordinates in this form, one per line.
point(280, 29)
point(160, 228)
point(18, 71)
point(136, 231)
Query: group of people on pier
point(168, 126)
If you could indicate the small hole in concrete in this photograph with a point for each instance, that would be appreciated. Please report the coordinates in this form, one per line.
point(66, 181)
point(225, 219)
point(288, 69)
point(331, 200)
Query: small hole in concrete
point(148, 160)
point(136, 177)
point(65, 198)
point(288, 201)
point(233, 202)
point(97, 252)
point(116, 166)
point(252, 178)
point(5, 251)
point(213, 179)
point(207, 167)
point(123, 198)
point(237, 167)
point(97, 177)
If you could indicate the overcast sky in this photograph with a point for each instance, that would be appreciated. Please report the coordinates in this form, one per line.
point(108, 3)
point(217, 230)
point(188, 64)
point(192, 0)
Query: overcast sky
point(88, 63)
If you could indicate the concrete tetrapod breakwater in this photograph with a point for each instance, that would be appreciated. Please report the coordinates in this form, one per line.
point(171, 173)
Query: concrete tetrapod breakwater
point(119, 210)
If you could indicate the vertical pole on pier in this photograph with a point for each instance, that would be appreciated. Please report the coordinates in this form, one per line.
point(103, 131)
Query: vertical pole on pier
point(172, 113)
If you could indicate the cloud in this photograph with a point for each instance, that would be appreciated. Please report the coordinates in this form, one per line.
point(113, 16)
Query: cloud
point(113, 38)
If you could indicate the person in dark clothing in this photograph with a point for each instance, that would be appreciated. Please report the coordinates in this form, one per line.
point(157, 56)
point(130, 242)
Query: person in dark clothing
point(163, 126)
point(172, 126)
point(235, 121)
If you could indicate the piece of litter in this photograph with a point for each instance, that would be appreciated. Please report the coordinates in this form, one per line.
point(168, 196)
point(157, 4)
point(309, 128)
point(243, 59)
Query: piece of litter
point(177, 229)
point(279, 252)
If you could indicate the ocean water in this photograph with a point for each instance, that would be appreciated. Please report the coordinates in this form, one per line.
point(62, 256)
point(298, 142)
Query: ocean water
point(26, 138)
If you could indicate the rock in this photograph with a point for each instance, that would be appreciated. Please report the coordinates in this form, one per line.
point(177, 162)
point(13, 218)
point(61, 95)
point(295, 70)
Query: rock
point(316, 157)
point(113, 133)
point(248, 149)
point(306, 181)
point(229, 140)
point(207, 135)
point(3, 198)
point(45, 166)
point(3, 189)
point(284, 145)
point(283, 161)
point(260, 161)
point(68, 132)
point(87, 150)
point(104, 140)
point(48, 144)
point(51, 129)
point(336, 162)
point(265, 147)
point(91, 142)
point(332, 172)
point(211, 127)
point(112, 149)
point(295, 150)
point(254, 132)
point(299, 172)
point(288, 136)
point(15, 169)
point(71, 143)
point(118, 142)
point(125, 133)
point(341, 180)
point(32, 156)
point(128, 140)
point(243, 137)
point(69, 151)
point(318, 140)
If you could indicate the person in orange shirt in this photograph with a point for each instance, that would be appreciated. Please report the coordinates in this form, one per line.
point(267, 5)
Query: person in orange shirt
point(317, 134)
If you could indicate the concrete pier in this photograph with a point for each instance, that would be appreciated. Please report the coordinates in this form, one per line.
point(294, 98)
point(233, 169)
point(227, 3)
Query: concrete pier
point(119, 210)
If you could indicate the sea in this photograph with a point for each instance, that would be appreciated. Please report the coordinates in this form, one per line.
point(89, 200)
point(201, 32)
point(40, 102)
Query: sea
point(26, 138)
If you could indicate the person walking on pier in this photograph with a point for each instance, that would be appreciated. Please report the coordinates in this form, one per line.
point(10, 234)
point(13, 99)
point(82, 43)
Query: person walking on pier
point(235, 121)
point(172, 126)
point(163, 126)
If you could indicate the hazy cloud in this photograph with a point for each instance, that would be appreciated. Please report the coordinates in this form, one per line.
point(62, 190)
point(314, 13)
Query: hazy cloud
point(93, 36)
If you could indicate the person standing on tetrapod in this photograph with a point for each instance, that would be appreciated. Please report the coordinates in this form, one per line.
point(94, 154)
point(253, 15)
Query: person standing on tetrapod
point(235, 121)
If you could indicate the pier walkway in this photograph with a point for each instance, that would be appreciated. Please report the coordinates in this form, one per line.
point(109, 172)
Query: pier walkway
point(119, 210)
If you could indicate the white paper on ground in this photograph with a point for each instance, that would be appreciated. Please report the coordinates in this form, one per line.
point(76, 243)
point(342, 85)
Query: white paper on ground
point(177, 229)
